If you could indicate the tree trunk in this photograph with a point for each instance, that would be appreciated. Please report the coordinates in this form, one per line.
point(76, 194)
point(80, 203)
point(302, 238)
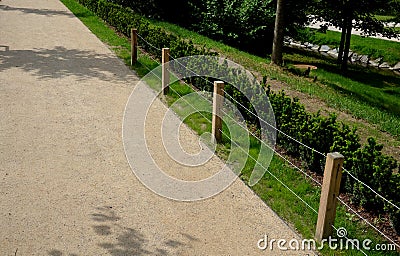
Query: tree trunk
point(342, 39)
point(349, 27)
point(277, 47)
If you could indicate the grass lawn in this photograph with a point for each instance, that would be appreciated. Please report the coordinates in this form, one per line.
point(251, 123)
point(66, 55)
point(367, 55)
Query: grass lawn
point(272, 192)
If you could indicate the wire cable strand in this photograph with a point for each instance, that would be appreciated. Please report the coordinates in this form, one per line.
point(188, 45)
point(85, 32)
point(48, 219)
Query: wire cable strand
point(149, 55)
point(275, 128)
point(150, 70)
point(376, 193)
point(258, 117)
point(280, 155)
point(152, 46)
point(298, 168)
point(257, 162)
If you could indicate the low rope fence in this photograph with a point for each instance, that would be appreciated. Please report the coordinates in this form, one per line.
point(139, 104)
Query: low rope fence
point(334, 161)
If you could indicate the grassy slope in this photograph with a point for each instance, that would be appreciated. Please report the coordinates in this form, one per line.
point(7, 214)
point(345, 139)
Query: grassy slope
point(274, 194)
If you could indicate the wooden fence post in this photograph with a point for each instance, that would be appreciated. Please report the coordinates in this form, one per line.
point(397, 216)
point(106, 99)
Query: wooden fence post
point(218, 98)
point(133, 46)
point(329, 193)
point(165, 72)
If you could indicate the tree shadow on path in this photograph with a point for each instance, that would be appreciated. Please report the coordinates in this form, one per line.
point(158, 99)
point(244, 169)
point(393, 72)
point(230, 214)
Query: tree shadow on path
point(43, 12)
point(62, 62)
point(119, 240)
point(130, 241)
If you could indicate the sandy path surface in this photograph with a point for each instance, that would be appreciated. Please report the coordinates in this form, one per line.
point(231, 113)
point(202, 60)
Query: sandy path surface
point(65, 185)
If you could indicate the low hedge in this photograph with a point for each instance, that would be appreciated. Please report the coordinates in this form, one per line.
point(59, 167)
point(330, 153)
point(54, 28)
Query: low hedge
point(325, 134)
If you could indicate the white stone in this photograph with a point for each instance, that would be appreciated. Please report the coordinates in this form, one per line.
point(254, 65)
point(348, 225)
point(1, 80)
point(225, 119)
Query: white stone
point(315, 48)
point(373, 63)
point(354, 57)
point(295, 44)
point(310, 46)
point(324, 48)
point(364, 59)
point(333, 53)
point(396, 67)
point(288, 39)
point(384, 65)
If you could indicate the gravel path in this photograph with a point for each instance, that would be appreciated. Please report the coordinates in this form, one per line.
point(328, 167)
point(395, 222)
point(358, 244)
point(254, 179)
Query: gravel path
point(65, 185)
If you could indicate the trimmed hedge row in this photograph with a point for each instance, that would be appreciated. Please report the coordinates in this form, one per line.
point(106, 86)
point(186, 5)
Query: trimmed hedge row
point(325, 134)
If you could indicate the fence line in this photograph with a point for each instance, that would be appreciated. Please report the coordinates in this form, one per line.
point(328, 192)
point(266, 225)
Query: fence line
point(259, 118)
point(191, 105)
point(278, 130)
point(340, 200)
point(255, 115)
point(266, 169)
point(290, 137)
point(255, 160)
point(280, 155)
